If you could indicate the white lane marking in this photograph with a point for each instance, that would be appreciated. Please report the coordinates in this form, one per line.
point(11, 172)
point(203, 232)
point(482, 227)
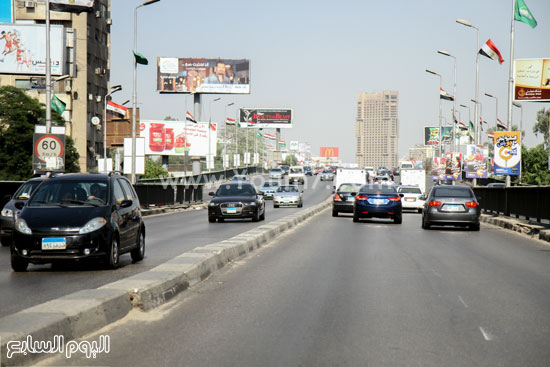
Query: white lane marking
point(464, 303)
point(486, 334)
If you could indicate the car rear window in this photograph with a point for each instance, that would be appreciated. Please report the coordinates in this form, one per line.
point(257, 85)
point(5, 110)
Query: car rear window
point(378, 189)
point(349, 187)
point(410, 190)
point(271, 184)
point(452, 192)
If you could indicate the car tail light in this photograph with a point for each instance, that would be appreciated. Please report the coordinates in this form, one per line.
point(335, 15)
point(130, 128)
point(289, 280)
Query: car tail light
point(471, 204)
point(395, 198)
point(337, 198)
point(361, 197)
point(435, 203)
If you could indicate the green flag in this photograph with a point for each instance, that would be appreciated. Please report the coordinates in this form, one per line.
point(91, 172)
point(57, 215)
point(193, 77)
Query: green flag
point(471, 125)
point(522, 13)
point(140, 59)
point(58, 105)
point(259, 134)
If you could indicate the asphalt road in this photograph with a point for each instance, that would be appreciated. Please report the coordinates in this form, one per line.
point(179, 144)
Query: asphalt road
point(167, 236)
point(338, 293)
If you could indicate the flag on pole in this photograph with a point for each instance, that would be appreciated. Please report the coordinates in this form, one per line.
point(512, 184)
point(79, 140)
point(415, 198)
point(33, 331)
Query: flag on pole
point(58, 105)
point(445, 95)
point(190, 117)
point(72, 6)
point(229, 121)
point(471, 125)
point(269, 136)
point(259, 134)
point(523, 14)
point(140, 59)
point(491, 135)
point(501, 125)
point(490, 50)
point(116, 109)
point(212, 126)
point(462, 126)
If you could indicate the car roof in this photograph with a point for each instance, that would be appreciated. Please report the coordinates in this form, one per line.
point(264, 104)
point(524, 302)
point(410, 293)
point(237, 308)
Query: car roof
point(82, 176)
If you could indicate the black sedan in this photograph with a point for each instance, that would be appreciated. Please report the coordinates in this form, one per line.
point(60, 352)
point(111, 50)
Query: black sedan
point(236, 200)
point(344, 197)
point(451, 205)
point(78, 217)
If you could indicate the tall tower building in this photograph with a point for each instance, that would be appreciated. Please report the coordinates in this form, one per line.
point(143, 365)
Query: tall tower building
point(81, 43)
point(377, 129)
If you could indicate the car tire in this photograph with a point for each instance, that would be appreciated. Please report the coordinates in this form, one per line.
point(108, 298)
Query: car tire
point(334, 213)
point(262, 217)
point(138, 253)
point(425, 224)
point(355, 218)
point(398, 219)
point(18, 264)
point(256, 217)
point(211, 219)
point(220, 220)
point(5, 241)
point(475, 227)
point(113, 256)
point(420, 211)
point(275, 205)
point(300, 205)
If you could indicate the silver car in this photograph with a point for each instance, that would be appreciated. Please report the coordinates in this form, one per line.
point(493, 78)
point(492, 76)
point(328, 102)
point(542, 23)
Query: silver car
point(269, 189)
point(276, 173)
point(288, 195)
point(451, 205)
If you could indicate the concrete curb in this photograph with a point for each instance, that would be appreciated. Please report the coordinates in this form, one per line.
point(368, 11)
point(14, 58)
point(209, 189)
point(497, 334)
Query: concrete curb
point(535, 230)
point(86, 311)
point(173, 209)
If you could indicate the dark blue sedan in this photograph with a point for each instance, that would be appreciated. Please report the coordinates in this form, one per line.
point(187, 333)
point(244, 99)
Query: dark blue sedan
point(378, 201)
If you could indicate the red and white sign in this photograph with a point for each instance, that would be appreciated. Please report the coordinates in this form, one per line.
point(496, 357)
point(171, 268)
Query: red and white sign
point(330, 152)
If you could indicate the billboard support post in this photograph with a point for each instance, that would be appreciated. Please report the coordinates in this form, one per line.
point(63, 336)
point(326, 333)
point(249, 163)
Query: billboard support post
point(196, 114)
point(48, 73)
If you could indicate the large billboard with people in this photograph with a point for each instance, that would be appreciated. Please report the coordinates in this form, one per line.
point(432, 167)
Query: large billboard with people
point(23, 49)
point(202, 75)
point(270, 118)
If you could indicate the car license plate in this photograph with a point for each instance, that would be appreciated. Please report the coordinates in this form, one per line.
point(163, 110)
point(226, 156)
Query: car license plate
point(453, 208)
point(351, 199)
point(54, 244)
point(379, 201)
point(231, 210)
point(409, 199)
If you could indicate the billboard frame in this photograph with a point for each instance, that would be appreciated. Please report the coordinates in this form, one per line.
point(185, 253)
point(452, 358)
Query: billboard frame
point(531, 93)
point(266, 125)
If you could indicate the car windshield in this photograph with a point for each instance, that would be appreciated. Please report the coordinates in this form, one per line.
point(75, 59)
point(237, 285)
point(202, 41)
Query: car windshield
point(410, 190)
point(452, 192)
point(25, 191)
point(236, 190)
point(349, 187)
point(271, 184)
point(70, 193)
point(295, 170)
point(288, 189)
point(275, 170)
point(382, 178)
point(377, 189)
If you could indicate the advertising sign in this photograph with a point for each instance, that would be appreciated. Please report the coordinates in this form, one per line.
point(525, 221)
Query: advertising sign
point(532, 80)
point(507, 153)
point(269, 118)
point(438, 168)
point(294, 145)
point(330, 152)
point(6, 11)
point(201, 75)
point(24, 49)
point(48, 152)
point(431, 136)
point(453, 166)
point(475, 161)
point(171, 138)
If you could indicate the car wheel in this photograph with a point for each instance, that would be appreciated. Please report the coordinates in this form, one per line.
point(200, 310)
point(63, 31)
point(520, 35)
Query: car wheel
point(113, 256)
point(398, 219)
point(5, 241)
point(425, 224)
point(18, 264)
point(334, 213)
point(275, 205)
point(256, 217)
point(475, 227)
point(262, 217)
point(355, 218)
point(220, 220)
point(420, 210)
point(139, 252)
point(211, 219)
point(301, 204)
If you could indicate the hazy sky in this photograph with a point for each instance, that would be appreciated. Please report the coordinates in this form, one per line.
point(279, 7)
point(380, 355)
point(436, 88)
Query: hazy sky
point(315, 56)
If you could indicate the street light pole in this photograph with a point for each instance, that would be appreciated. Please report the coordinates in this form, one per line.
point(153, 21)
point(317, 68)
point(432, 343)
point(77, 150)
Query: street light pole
point(225, 134)
point(134, 94)
point(208, 165)
point(440, 86)
point(496, 112)
point(445, 53)
point(114, 89)
point(518, 105)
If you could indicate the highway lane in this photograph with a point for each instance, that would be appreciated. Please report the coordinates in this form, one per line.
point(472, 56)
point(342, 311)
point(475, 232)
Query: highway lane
point(340, 293)
point(167, 236)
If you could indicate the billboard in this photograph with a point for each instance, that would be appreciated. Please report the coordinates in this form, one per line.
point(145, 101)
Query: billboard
point(453, 166)
point(329, 152)
point(431, 136)
point(171, 138)
point(438, 168)
point(294, 145)
point(201, 75)
point(532, 80)
point(6, 11)
point(24, 49)
point(475, 161)
point(507, 153)
point(266, 117)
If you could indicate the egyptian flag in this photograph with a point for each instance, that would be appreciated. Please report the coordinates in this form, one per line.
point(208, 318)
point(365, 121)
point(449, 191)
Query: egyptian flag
point(445, 95)
point(72, 6)
point(116, 109)
point(190, 117)
point(490, 50)
point(212, 126)
point(491, 135)
point(501, 125)
point(229, 121)
point(269, 136)
point(462, 126)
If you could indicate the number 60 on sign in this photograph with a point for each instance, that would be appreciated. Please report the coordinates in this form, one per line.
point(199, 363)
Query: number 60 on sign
point(48, 152)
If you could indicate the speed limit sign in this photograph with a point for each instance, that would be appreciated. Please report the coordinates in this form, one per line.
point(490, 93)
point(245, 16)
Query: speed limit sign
point(48, 152)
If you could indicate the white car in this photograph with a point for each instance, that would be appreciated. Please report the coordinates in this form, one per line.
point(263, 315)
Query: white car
point(411, 198)
point(276, 173)
point(287, 195)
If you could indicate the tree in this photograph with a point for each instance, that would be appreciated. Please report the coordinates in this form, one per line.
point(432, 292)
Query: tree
point(541, 126)
point(290, 160)
point(19, 113)
point(154, 169)
point(534, 170)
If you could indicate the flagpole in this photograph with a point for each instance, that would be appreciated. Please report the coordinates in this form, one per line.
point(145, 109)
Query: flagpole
point(511, 79)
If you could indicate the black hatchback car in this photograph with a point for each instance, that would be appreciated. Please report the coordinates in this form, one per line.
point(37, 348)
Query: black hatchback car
point(78, 217)
point(236, 200)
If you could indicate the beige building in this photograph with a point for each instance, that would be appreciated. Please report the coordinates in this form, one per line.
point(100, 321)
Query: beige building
point(377, 129)
point(86, 47)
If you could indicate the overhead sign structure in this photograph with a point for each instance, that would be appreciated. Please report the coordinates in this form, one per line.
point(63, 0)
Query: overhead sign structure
point(23, 50)
point(532, 80)
point(330, 152)
point(507, 153)
point(270, 118)
point(175, 137)
point(48, 152)
point(202, 75)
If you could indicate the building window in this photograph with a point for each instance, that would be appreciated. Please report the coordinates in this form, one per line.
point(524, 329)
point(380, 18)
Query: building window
point(23, 83)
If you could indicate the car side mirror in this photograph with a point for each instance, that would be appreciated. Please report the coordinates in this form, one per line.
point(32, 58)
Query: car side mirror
point(401, 195)
point(19, 205)
point(126, 203)
point(353, 194)
point(211, 193)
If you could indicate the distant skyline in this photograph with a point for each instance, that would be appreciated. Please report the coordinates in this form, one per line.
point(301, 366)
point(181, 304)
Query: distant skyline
point(316, 56)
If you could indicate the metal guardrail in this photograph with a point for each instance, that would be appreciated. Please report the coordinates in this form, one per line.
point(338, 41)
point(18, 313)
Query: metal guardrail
point(532, 202)
point(205, 177)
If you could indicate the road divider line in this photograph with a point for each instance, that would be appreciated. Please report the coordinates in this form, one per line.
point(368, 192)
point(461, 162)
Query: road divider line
point(81, 313)
point(486, 334)
point(462, 301)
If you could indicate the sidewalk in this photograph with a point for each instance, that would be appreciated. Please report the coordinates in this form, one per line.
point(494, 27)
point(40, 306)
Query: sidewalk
point(530, 228)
